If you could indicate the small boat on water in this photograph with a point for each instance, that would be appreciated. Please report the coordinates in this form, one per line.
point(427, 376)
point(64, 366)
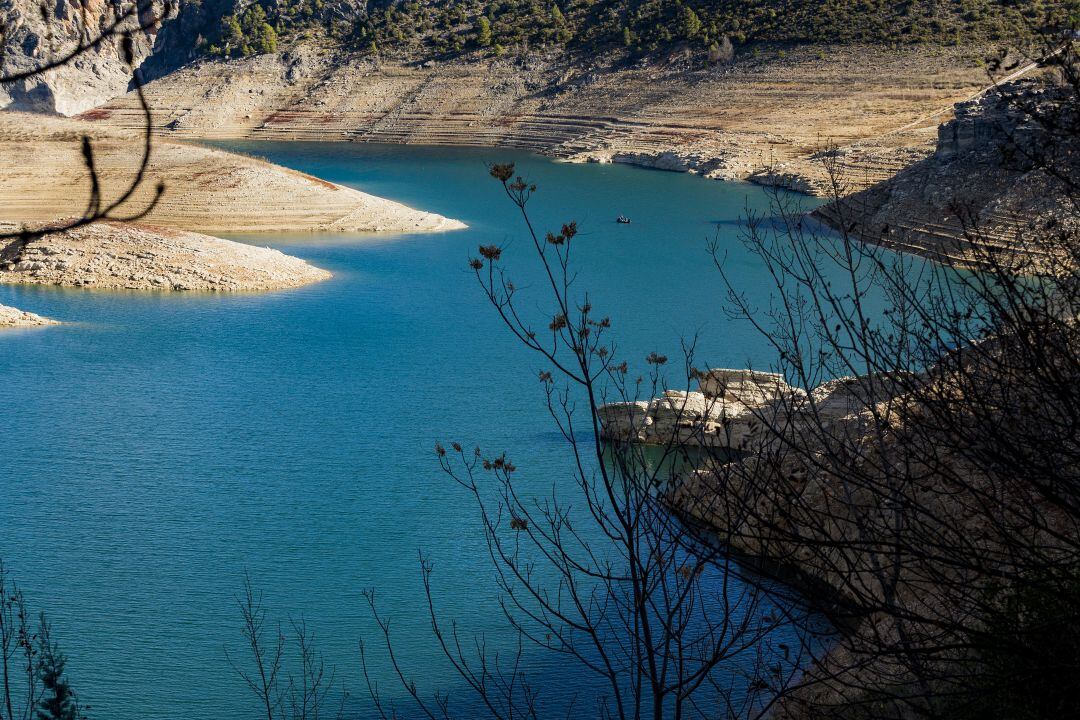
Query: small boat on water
point(622, 220)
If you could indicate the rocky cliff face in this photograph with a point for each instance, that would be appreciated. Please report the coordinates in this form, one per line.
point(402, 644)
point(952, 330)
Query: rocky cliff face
point(180, 39)
point(37, 33)
point(982, 190)
point(983, 125)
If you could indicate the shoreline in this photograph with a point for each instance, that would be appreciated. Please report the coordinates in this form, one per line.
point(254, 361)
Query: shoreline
point(763, 119)
point(137, 256)
point(12, 318)
point(204, 190)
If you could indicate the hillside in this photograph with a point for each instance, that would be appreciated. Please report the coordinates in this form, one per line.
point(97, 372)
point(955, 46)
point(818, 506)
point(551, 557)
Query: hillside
point(732, 121)
point(427, 29)
point(983, 190)
point(624, 31)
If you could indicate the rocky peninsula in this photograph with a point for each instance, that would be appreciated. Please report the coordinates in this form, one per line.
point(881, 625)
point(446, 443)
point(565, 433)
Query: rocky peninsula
point(14, 318)
point(45, 182)
point(205, 190)
point(140, 257)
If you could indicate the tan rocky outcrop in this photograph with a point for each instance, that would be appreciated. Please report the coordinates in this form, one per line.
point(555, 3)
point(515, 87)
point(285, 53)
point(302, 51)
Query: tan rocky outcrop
point(141, 257)
point(740, 409)
point(14, 318)
point(723, 412)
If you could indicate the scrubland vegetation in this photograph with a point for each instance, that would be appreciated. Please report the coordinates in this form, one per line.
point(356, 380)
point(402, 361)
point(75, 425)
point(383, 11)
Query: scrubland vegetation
point(427, 29)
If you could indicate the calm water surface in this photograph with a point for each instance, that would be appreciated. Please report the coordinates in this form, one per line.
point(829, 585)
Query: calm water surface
point(157, 446)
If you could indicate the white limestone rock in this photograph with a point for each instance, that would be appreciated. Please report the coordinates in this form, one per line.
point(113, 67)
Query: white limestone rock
point(14, 318)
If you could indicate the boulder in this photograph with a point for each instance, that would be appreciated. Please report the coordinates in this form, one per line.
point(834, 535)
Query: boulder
point(727, 411)
point(746, 386)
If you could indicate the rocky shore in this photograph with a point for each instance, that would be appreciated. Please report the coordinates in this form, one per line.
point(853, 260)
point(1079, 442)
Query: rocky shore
point(732, 409)
point(765, 117)
point(807, 474)
point(753, 417)
point(141, 257)
point(978, 193)
point(14, 318)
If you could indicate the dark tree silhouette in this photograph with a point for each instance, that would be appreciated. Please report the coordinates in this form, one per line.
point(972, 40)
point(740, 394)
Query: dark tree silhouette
point(603, 575)
point(934, 493)
point(32, 667)
point(58, 701)
point(303, 694)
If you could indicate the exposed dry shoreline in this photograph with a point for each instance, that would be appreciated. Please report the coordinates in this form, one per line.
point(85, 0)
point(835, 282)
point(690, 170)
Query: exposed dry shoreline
point(14, 318)
point(43, 179)
point(135, 256)
point(764, 118)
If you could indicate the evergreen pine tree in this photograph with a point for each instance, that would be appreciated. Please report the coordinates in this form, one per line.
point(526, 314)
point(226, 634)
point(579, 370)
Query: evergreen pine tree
point(690, 23)
point(483, 32)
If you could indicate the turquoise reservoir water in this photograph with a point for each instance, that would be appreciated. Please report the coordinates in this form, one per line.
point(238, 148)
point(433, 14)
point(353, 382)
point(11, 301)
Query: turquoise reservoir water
point(157, 446)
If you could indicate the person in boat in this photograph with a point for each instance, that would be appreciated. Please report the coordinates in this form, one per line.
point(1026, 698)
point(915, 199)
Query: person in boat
point(623, 219)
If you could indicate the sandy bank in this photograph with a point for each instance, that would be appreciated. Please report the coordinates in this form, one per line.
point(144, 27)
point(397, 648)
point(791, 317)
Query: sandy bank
point(134, 256)
point(734, 122)
point(13, 317)
point(42, 178)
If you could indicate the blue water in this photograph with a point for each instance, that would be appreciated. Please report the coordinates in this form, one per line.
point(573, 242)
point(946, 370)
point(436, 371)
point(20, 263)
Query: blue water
point(159, 446)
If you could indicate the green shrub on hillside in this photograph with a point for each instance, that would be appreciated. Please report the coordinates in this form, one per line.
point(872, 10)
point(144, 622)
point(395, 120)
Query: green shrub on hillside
point(249, 34)
point(449, 27)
